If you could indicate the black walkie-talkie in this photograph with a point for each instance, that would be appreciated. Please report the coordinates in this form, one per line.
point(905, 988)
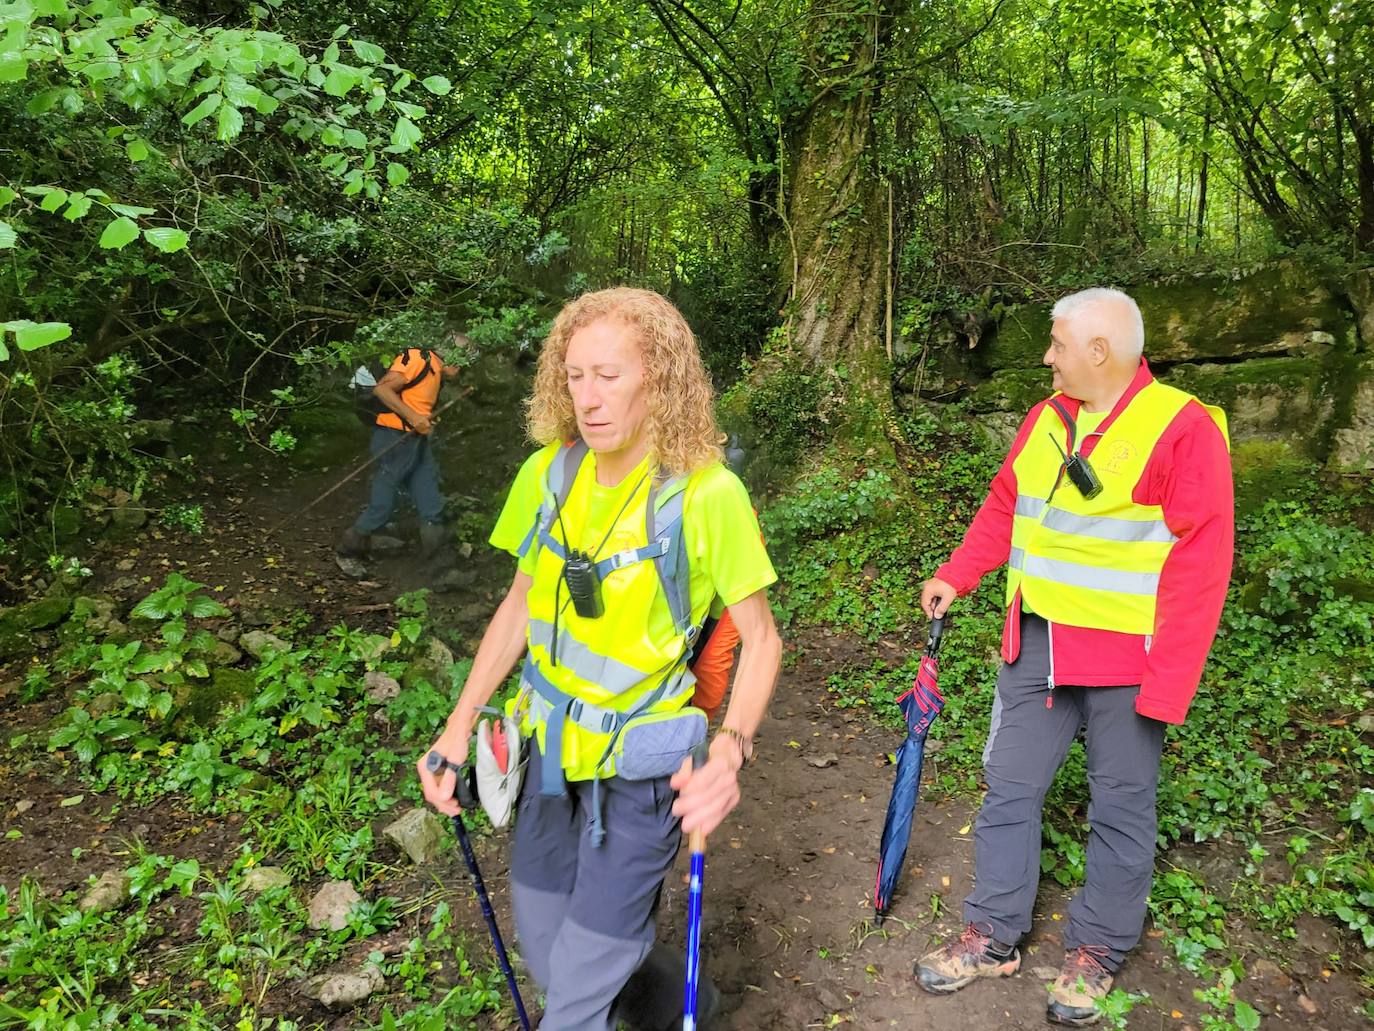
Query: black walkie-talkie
point(584, 585)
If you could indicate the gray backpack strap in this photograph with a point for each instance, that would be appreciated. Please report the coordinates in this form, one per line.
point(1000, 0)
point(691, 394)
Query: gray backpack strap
point(663, 522)
point(558, 484)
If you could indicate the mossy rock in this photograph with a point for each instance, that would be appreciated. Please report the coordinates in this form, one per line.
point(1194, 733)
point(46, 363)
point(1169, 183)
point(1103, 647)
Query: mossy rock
point(17, 624)
point(202, 701)
point(1271, 399)
point(1011, 390)
point(1281, 309)
point(1352, 449)
point(329, 434)
point(1266, 469)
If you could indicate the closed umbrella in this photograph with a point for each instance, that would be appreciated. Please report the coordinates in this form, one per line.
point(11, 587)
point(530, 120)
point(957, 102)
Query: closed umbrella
point(920, 705)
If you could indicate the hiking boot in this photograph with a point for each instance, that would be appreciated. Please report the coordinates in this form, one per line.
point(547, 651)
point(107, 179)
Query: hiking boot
point(975, 954)
point(349, 554)
point(352, 544)
point(652, 999)
point(436, 545)
point(1082, 980)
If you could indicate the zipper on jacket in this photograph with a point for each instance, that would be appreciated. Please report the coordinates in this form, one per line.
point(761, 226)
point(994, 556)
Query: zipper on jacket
point(1049, 680)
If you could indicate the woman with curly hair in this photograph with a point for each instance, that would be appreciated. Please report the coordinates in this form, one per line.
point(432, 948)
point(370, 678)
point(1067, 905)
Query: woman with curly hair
point(627, 529)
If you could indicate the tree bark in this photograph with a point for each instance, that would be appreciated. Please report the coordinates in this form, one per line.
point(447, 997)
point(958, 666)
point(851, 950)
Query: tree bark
point(835, 212)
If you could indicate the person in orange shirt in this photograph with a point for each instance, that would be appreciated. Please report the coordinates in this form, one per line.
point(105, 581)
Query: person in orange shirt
point(401, 445)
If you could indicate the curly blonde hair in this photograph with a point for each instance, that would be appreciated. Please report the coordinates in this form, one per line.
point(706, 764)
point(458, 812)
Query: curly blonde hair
point(681, 427)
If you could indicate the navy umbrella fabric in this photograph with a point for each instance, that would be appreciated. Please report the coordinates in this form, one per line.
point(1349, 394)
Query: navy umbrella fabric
point(920, 705)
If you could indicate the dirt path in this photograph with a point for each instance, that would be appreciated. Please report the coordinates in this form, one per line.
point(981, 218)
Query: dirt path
point(788, 907)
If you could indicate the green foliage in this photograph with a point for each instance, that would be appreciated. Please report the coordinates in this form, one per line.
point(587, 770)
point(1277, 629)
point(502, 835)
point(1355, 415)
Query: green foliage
point(300, 755)
point(783, 399)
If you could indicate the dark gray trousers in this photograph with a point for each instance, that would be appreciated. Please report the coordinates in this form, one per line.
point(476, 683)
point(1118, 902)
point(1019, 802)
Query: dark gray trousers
point(1026, 745)
point(585, 915)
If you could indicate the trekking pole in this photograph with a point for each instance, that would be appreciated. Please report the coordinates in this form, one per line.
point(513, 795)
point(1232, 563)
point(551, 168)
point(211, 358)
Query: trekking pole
point(366, 465)
point(696, 842)
point(463, 791)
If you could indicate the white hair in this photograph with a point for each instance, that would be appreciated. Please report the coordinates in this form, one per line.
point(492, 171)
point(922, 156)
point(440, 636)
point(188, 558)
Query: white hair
point(1131, 337)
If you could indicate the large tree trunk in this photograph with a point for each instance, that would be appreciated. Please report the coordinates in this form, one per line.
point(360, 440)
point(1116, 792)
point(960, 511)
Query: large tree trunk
point(836, 248)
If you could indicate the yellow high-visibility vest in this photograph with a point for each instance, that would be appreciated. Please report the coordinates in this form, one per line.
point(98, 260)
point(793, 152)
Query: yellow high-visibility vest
point(1094, 563)
point(611, 665)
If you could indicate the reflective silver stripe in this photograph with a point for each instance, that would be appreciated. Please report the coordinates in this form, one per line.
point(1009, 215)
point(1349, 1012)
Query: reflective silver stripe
point(1106, 527)
point(586, 664)
point(598, 719)
point(1075, 574)
point(1017, 558)
point(1029, 506)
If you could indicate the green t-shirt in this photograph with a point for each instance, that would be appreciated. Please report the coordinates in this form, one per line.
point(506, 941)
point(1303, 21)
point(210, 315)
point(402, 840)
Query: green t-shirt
point(725, 550)
point(1087, 423)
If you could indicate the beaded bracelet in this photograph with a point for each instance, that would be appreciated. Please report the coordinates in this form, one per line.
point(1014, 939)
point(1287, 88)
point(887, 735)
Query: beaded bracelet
point(746, 745)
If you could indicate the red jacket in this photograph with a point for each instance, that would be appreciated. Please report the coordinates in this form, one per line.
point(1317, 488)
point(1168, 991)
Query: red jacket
point(1189, 475)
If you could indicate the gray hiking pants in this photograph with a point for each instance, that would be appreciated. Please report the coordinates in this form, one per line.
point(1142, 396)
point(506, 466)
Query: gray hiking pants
point(584, 915)
point(1026, 745)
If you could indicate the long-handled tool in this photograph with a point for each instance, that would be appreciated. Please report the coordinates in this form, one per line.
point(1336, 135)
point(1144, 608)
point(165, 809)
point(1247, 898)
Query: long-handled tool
point(367, 464)
point(696, 843)
point(466, 794)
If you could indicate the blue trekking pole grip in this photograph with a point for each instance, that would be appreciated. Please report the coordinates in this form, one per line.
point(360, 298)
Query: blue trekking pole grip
point(463, 791)
point(697, 845)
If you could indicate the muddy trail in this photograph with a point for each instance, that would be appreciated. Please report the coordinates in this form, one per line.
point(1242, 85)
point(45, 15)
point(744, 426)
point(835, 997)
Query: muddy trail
point(788, 934)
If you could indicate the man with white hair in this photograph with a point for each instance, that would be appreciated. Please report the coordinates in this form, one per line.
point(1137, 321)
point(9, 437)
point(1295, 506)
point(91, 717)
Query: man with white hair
point(1113, 514)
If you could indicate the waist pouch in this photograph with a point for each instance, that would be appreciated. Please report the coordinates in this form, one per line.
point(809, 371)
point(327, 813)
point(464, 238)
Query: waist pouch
point(654, 745)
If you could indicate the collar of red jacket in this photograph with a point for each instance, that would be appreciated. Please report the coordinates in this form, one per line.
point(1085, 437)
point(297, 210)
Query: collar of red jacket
point(1143, 376)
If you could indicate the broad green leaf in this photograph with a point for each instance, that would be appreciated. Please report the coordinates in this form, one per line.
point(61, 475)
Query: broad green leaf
point(408, 109)
point(4, 351)
point(77, 208)
point(119, 234)
point(396, 174)
point(1247, 1017)
point(41, 334)
point(405, 135)
point(13, 68)
point(355, 139)
point(8, 237)
point(137, 150)
point(437, 84)
point(368, 52)
point(43, 101)
point(342, 31)
point(341, 79)
point(131, 210)
point(137, 694)
point(183, 875)
point(202, 607)
point(204, 109)
point(166, 238)
point(6, 196)
point(240, 93)
point(54, 200)
point(230, 122)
